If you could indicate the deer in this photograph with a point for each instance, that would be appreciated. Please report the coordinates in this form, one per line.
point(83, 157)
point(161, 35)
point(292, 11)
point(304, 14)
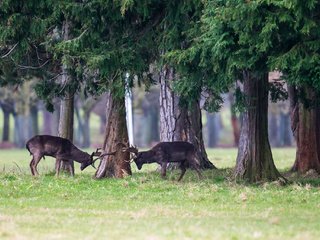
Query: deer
point(60, 148)
point(165, 152)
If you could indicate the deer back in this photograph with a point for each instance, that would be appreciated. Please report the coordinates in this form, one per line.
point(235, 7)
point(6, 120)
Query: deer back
point(56, 147)
point(174, 147)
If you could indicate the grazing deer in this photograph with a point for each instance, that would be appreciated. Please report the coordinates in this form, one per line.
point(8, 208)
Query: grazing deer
point(165, 152)
point(60, 148)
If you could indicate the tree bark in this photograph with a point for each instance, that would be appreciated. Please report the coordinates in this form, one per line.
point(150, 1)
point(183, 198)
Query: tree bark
point(213, 129)
point(79, 132)
point(47, 122)
point(273, 129)
point(66, 119)
point(234, 121)
point(190, 125)
point(22, 129)
point(6, 109)
point(34, 122)
point(285, 134)
point(86, 130)
point(116, 137)
point(6, 126)
point(305, 125)
point(254, 160)
point(317, 121)
point(66, 126)
point(178, 123)
point(169, 108)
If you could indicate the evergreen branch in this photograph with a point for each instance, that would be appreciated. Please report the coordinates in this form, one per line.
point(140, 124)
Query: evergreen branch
point(37, 53)
point(115, 75)
point(58, 75)
point(10, 51)
point(157, 19)
point(77, 38)
point(31, 67)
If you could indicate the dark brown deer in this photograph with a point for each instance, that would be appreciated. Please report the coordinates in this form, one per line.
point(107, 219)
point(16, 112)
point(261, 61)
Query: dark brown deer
point(165, 152)
point(61, 149)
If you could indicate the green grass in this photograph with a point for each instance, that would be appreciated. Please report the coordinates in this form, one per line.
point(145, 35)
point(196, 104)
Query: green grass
point(146, 207)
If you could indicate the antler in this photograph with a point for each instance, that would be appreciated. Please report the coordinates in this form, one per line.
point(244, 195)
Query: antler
point(101, 156)
point(97, 152)
point(131, 149)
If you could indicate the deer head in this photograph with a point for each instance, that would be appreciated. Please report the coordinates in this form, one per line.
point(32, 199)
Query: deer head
point(91, 161)
point(132, 149)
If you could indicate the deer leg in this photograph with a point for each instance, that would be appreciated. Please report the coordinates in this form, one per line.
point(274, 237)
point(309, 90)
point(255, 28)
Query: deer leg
point(34, 163)
point(57, 167)
point(71, 168)
point(31, 165)
point(163, 169)
point(183, 170)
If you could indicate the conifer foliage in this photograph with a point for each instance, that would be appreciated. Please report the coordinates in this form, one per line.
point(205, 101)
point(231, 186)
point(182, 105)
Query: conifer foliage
point(213, 45)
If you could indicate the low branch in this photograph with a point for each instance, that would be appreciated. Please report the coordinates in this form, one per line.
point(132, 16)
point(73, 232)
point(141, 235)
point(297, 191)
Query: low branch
point(10, 51)
point(77, 38)
point(32, 67)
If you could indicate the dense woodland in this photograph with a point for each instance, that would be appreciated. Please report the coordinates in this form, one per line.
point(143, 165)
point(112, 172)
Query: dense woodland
point(67, 53)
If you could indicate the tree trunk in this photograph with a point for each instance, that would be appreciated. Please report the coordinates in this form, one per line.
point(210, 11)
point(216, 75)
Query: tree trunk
point(87, 105)
point(6, 122)
point(178, 123)
point(66, 126)
point(235, 129)
point(150, 122)
point(116, 137)
point(273, 130)
point(47, 122)
point(22, 118)
point(103, 122)
point(66, 119)
point(169, 108)
point(6, 126)
point(254, 160)
point(317, 121)
point(213, 129)
point(86, 130)
point(34, 122)
point(285, 131)
point(305, 125)
point(190, 125)
point(79, 132)
point(22, 130)
point(234, 121)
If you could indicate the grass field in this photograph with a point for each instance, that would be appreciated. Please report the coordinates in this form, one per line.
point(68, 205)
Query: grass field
point(146, 207)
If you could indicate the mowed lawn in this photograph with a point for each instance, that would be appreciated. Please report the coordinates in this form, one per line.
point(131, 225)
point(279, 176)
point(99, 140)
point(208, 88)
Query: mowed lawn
point(144, 206)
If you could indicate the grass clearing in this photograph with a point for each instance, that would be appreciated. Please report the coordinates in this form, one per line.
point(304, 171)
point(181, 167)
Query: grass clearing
point(146, 207)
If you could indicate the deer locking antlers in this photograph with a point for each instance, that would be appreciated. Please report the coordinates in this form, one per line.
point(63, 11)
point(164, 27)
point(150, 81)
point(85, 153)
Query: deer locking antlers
point(131, 149)
point(99, 154)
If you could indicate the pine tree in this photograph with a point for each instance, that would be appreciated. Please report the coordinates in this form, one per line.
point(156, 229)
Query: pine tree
point(299, 61)
point(232, 42)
